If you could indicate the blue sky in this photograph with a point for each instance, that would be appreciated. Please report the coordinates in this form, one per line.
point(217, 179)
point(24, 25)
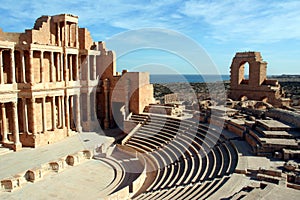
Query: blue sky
point(221, 28)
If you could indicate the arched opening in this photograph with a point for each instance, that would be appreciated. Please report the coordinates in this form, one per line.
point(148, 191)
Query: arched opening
point(244, 73)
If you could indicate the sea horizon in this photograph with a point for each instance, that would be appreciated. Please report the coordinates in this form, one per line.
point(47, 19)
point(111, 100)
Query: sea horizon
point(190, 78)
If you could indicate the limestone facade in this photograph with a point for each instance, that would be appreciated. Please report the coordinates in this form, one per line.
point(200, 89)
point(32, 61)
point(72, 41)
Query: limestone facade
point(50, 77)
point(257, 86)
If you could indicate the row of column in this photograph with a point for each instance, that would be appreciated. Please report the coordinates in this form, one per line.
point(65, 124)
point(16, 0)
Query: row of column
point(66, 113)
point(88, 67)
point(65, 32)
point(15, 125)
point(56, 72)
point(12, 68)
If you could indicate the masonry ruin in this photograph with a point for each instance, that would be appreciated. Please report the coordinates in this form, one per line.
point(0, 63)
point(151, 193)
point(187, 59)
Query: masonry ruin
point(257, 86)
point(55, 81)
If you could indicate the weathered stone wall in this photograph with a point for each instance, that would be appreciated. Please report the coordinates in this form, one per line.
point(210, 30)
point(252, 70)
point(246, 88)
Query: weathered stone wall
point(257, 87)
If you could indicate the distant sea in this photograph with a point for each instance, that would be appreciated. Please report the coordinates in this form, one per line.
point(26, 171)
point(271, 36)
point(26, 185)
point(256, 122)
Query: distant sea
point(191, 78)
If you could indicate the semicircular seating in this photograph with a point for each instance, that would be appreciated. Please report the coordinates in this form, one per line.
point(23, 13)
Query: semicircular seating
point(191, 160)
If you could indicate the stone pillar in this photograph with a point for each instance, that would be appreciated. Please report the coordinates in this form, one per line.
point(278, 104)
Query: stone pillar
point(127, 97)
point(71, 111)
point(1, 69)
point(106, 99)
point(42, 72)
point(58, 34)
point(79, 68)
point(4, 126)
point(12, 65)
point(62, 111)
point(70, 35)
point(23, 71)
point(65, 33)
point(59, 112)
point(15, 127)
point(53, 113)
point(25, 118)
point(33, 113)
point(94, 67)
point(78, 120)
point(88, 107)
point(31, 69)
point(52, 76)
point(71, 68)
point(66, 72)
point(62, 66)
point(76, 68)
point(44, 114)
point(76, 36)
point(67, 114)
point(88, 68)
point(57, 67)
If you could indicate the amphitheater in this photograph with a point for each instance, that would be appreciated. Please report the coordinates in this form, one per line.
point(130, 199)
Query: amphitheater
point(245, 149)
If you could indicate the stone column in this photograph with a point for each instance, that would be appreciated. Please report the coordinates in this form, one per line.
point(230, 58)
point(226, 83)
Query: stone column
point(66, 32)
point(76, 68)
point(42, 73)
point(88, 68)
point(62, 66)
point(78, 120)
point(12, 65)
point(79, 68)
point(1, 69)
point(15, 127)
point(4, 126)
point(53, 113)
point(66, 72)
point(88, 107)
point(63, 111)
point(31, 69)
point(33, 113)
point(44, 115)
point(25, 118)
point(71, 68)
point(70, 34)
point(94, 67)
point(127, 97)
point(106, 99)
point(71, 111)
point(58, 34)
point(59, 112)
point(23, 71)
point(67, 114)
point(52, 76)
point(76, 36)
point(58, 67)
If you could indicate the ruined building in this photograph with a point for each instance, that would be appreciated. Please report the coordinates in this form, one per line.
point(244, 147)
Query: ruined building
point(55, 81)
point(257, 86)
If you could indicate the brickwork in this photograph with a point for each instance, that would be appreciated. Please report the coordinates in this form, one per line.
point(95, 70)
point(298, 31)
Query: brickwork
point(257, 86)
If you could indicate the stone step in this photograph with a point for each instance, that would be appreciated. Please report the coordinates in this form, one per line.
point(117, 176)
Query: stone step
point(4, 150)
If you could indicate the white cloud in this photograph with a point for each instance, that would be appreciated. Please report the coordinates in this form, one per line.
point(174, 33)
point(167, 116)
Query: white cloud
point(253, 21)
